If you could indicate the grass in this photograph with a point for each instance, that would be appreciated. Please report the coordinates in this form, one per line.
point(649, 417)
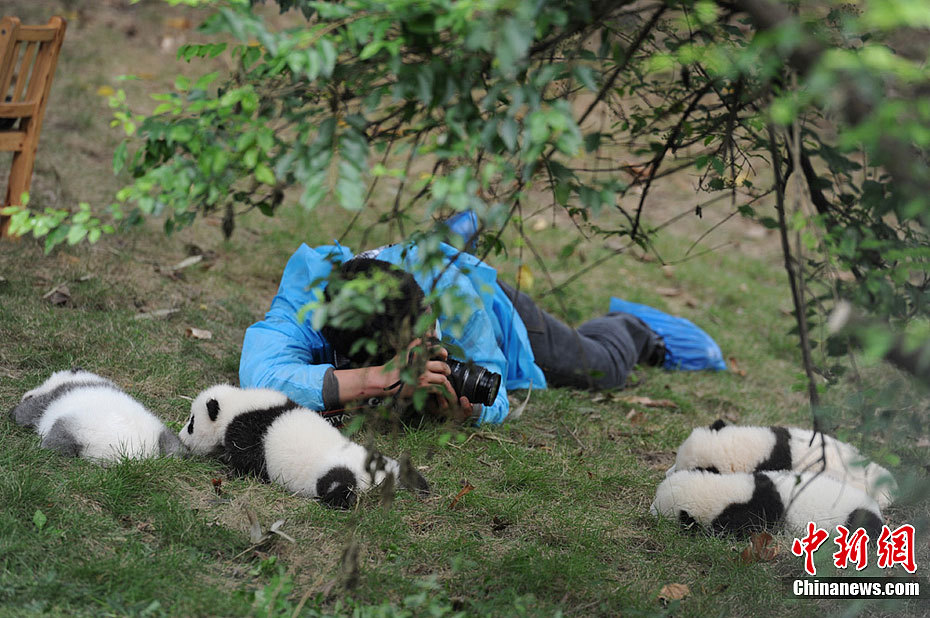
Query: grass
point(557, 520)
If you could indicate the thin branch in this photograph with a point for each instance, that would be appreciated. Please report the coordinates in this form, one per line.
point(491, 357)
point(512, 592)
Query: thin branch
point(799, 310)
point(657, 160)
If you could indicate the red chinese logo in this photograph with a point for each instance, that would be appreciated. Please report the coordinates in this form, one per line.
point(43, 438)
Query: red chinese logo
point(808, 545)
point(851, 548)
point(894, 547)
point(897, 547)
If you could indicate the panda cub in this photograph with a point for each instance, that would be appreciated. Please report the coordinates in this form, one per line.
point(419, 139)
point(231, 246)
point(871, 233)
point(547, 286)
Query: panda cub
point(82, 414)
point(730, 448)
point(262, 432)
point(742, 503)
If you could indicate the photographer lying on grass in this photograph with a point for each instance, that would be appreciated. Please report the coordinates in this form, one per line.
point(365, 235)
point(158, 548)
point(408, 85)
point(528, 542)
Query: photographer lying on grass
point(501, 330)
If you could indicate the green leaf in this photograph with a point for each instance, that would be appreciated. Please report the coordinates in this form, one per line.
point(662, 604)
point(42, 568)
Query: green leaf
point(508, 129)
point(76, 233)
point(585, 75)
point(39, 519)
point(264, 174)
point(513, 43)
point(562, 192)
point(119, 157)
point(206, 80)
point(592, 141)
point(769, 222)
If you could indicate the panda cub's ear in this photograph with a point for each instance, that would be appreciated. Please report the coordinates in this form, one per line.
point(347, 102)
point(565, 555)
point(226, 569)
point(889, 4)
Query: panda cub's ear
point(718, 425)
point(213, 409)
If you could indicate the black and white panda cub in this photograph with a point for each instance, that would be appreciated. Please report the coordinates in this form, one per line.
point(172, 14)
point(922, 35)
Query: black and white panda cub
point(741, 503)
point(263, 433)
point(82, 414)
point(730, 448)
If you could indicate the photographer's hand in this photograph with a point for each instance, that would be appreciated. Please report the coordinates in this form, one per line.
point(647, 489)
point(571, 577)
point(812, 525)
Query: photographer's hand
point(434, 375)
point(377, 381)
point(463, 411)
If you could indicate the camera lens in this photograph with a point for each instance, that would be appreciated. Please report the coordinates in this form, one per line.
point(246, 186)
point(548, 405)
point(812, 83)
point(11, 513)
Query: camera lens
point(478, 384)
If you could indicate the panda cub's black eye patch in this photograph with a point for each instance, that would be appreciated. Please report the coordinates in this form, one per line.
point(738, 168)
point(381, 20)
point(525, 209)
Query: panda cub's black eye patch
point(213, 409)
point(190, 425)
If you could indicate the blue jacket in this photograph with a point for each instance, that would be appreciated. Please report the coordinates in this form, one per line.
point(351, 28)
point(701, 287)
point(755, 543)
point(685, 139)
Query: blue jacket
point(290, 356)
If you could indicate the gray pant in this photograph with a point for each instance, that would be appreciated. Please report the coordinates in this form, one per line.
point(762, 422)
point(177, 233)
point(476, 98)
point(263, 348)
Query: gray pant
point(599, 354)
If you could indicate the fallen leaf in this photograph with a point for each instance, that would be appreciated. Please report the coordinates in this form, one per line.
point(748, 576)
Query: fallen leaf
point(668, 291)
point(159, 313)
point(673, 592)
point(923, 442)
point(167, 43)
point(517, 412)
point(636, 417)
point(498, 524)
point(58, 295)
point(755, 232)
point(255, 528)
point(761, 548)
point(735, 368)
point(668, 271)
point(615, 244)
point(276, 529)
point(194, 259)
point(178, 23)
point(637, 172)
point(198, 333)
point(540, 223)
point(257, 536)
point(465, 490)
point(650, 403)
point(217, 486)
point(106, 91)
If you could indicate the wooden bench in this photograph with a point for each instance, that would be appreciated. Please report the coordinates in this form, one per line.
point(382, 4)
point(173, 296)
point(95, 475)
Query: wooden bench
point(28, 55)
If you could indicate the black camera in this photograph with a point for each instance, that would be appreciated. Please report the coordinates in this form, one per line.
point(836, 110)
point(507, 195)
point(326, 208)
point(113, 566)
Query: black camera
point(480, 385)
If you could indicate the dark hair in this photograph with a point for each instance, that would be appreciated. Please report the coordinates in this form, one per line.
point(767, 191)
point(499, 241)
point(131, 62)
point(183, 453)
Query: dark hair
point(401, 310)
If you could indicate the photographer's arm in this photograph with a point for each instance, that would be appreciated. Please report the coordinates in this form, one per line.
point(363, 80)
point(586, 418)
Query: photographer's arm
point(381, 380)
point(282, 352)
point(278, 354)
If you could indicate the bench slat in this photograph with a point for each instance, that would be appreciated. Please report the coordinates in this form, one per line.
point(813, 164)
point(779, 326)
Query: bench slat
point(12, 140)
point(18, 110)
